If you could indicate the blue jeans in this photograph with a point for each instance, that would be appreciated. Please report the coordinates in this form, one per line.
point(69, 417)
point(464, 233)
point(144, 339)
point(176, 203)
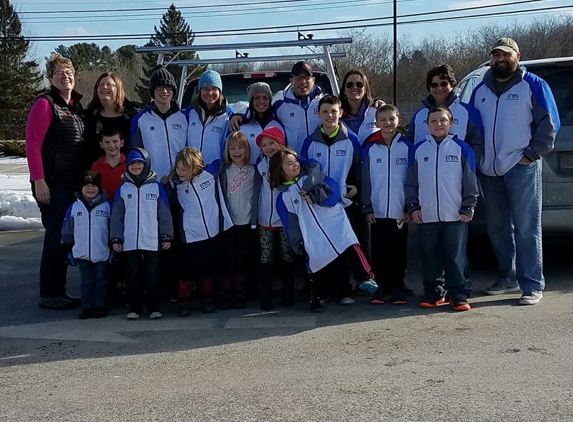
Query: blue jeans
point(513, 213)
point(94, 283)
point(53, 270)
point(443, 251)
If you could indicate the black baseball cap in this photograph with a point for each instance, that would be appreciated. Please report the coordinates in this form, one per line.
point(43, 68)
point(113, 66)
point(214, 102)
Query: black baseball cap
point(301, 66)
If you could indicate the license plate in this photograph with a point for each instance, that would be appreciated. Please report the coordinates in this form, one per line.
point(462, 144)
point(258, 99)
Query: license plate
point(566, 161)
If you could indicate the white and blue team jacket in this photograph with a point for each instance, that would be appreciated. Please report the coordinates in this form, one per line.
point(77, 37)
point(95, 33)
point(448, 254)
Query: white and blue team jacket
point(322, 229)
point(384, 171)
point(441, 180)
point(87, 227)
point(336, 159)
point(162, 139)
point(522, 121)
point(140, 216)
point(251, 129)
point(299, 117)
point(204, 214)
point(207, 134)
point(364, 124)
point(467, 123)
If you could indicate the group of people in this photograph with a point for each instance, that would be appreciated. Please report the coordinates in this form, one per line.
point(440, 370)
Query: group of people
point(175, 200)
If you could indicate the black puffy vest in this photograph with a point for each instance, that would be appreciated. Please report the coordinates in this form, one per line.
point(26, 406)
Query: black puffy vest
point(63, 143)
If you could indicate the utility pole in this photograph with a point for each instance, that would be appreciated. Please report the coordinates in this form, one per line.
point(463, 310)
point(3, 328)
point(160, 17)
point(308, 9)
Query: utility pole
point(395, 64)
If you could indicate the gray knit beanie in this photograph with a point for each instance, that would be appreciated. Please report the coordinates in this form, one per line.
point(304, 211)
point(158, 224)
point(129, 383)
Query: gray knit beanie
point(259, 88)
point(161, 77)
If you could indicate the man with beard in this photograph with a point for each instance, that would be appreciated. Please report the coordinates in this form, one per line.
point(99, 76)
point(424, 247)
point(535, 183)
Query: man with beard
point(520, 121)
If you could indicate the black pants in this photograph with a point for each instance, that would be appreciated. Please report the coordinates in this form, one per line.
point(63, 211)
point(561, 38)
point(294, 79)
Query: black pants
point(143, 286)
point(53, 270)
point(236, 241)
point(199, 259)
point(389, 251)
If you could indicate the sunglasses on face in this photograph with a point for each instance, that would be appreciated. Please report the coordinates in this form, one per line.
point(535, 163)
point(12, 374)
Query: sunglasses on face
point(351, 84)
point(443, 84)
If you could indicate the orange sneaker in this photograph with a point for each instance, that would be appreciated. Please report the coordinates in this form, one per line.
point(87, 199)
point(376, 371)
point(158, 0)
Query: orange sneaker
point(429, 302)
point(460, 305)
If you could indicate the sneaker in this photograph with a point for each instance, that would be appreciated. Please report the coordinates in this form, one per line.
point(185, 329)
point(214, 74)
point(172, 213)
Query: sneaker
point(531, 298)
point(429, 302)
point(133, 315)
point(315, 304)
point(398, 299)
point(499, 288)
point(347, 301)
point(377, 297)
point(155, 315)
point(55, 303)
point(100, 312)
point(86, 313)
point(404, 290)
point(368, 285)
point(460, 305)
point(76, 301)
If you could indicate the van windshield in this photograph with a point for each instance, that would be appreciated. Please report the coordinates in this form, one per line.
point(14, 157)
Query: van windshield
point(560, 79)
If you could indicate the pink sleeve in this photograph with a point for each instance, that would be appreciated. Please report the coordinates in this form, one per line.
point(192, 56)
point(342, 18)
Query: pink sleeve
point(37, 126)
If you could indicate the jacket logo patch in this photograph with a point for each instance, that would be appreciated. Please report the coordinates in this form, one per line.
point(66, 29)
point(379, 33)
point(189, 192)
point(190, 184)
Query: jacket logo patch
point(482, 100)
point(513, 97)
point(205, 185)
point(315, 110)
point(291, 114)
point(252, 135)
point(64, 114)
point(370, 125)
point(379, 161)
point(401, 160)
point(264, 174)
point(452, 159)
point(129, 196)
point(426, 159)
point(79, 214)
point(193, 124)
point(152, 129)
point(340, 152)
point(455, 121)
point(319, 155)
point(186, 191)
point(296, 201)
point(151, 196)
point(177, 126)
point(217, 129)
point(102, 213)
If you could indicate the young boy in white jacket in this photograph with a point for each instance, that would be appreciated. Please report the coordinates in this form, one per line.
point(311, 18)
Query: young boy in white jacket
point(141, 226)
point(85, 235)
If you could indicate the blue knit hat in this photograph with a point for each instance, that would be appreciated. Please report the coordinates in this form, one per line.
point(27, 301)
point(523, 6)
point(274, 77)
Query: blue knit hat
point(210, 78)
point(135, 155)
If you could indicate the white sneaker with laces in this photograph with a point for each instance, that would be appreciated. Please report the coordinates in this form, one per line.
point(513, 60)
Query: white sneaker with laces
point(531, 298)
point(133, 315)
point(347, 301)
point(155, 315)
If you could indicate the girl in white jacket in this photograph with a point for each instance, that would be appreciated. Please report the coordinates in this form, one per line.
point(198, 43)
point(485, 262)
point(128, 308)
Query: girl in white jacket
point(315, 221)
point(202, 217)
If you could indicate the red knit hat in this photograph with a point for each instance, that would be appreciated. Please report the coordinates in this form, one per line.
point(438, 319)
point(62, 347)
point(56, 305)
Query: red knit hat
point(274, 133)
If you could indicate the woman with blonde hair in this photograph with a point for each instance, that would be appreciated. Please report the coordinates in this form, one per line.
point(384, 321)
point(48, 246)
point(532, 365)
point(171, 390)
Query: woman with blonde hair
point(108, 109)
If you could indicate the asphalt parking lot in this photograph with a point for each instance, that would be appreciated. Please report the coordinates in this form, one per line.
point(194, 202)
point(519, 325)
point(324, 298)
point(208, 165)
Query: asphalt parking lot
point(498, 361)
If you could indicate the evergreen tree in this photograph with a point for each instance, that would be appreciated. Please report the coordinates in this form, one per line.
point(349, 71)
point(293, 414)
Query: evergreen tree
point(173, 31)
point(20, 79)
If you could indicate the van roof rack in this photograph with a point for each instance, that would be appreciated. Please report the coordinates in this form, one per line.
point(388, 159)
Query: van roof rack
point(308, 41)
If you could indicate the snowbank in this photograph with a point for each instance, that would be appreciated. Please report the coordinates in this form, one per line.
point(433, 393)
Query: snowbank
point(18, 209)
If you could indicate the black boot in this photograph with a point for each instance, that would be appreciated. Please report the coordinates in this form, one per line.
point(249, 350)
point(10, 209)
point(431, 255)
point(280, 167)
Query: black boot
point(288, 284)
point(266, 287)
point(225, 289)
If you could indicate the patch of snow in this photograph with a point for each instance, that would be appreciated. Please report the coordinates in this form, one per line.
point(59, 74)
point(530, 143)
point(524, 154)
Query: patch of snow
point(6, 159)
point(18, 208)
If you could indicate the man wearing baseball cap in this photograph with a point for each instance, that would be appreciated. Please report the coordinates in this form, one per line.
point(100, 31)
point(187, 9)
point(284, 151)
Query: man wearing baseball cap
point(296, 106)
point(520, 122)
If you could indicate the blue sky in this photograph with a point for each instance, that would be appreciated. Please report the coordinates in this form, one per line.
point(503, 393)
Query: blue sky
point(268, 14)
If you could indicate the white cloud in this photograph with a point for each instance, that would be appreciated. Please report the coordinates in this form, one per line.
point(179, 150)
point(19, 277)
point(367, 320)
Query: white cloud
point(77, 30)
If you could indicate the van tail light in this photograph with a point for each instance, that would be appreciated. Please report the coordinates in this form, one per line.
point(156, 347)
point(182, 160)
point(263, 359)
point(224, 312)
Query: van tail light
point(259, 75)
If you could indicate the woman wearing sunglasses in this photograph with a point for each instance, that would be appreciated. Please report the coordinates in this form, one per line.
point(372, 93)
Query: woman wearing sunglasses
point(358, 105)
point(440, 82)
